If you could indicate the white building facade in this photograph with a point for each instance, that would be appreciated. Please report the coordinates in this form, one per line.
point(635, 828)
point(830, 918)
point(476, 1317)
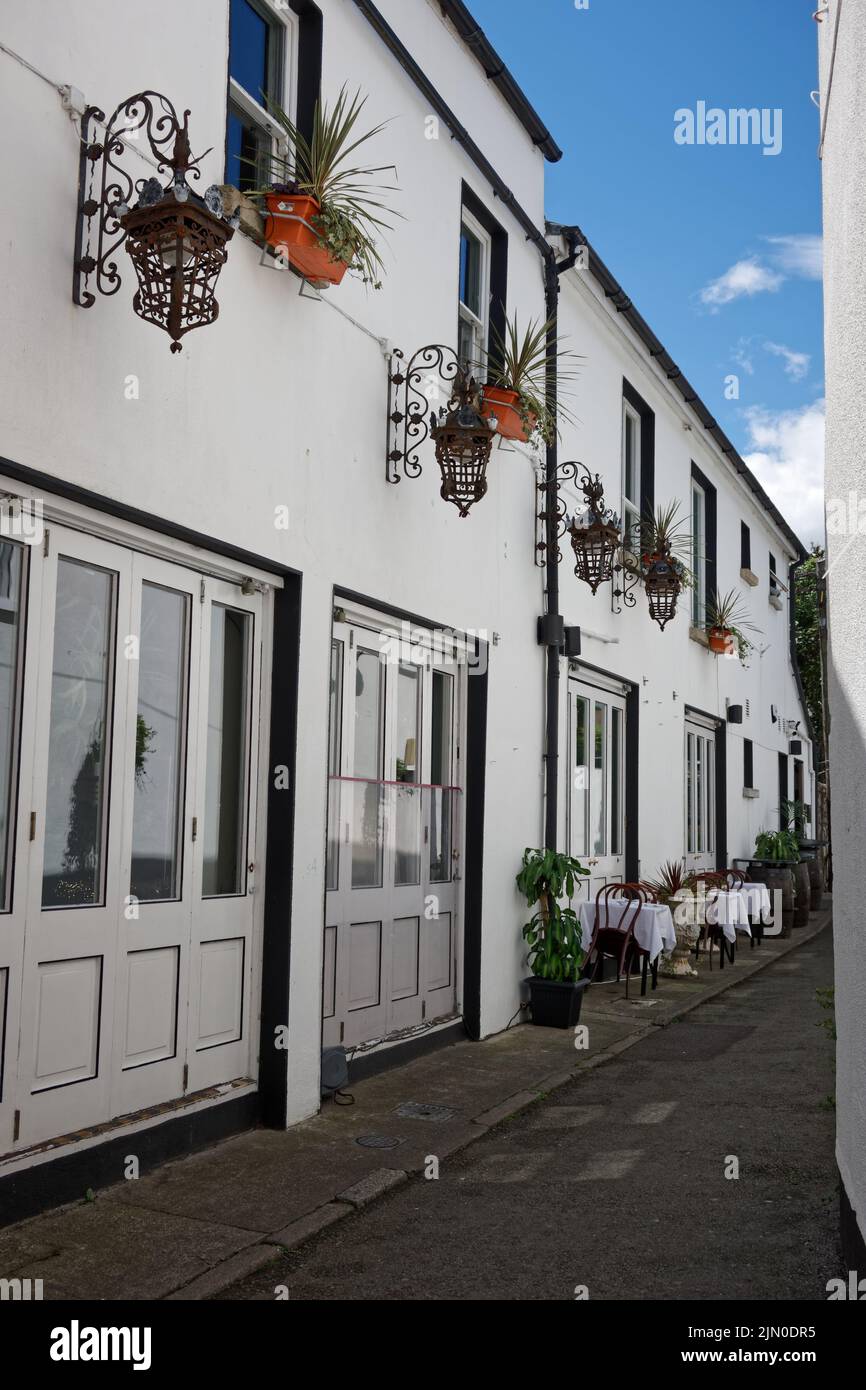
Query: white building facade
point(842, 48)
point(275, 717)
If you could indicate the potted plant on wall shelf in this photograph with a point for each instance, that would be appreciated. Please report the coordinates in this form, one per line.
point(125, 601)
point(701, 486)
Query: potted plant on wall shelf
point(323, 210)
point(520, 367)
point(727, 623)
point(553, 933)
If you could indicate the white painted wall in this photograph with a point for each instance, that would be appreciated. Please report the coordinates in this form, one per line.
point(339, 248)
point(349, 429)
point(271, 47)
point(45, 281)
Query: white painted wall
point(283, 402)
point(844, 172)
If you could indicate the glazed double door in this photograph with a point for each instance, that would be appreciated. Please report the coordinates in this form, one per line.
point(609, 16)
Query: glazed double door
point(596, 801)
point(394, 803)
point(126, 955)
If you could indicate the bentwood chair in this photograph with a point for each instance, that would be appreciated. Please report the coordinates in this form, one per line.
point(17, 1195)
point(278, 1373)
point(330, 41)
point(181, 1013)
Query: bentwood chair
point(617, 939)
point(709, 884)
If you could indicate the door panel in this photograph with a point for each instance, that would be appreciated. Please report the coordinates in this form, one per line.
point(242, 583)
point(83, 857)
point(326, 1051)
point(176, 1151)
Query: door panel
point(391, 883)
point(596, 802)
point(700, 796)
point(127, 866)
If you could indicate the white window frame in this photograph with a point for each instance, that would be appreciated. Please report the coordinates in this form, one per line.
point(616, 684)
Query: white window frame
point(285, 22)
point(480, 327)
point(631, 509)
point(699, 557)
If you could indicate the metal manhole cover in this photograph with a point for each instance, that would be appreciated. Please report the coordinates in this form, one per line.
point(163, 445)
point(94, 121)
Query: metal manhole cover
point(378, 1141)
point(419, 1110)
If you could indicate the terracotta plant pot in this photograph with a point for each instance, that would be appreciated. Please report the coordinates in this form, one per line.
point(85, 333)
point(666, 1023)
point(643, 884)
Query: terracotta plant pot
point(297, 241)
point(720, 638)
point(502, 402)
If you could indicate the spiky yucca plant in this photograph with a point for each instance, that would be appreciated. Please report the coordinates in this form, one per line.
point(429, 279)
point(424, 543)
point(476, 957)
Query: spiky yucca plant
point(522, 361)
point(728, 613)
point(320, 168)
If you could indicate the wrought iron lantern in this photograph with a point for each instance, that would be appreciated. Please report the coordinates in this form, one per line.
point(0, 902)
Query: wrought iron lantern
point(175, 238)
point(596, 535)
point(663, 585)
point(463, 438)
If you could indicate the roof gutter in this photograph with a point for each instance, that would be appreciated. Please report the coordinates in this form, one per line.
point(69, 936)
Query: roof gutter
point(623, 305)
point(497, 73)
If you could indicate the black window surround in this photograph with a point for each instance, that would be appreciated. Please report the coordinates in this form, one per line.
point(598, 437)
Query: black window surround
point(308, 67)
point(745, 547)
point(498, 317)
point(710, 533)
point(748, 764)
point(647, 446)
point(783, 790)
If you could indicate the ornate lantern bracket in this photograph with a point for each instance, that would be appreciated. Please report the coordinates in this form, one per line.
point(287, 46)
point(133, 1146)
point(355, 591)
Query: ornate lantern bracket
point(627, 569)
point(414, 390)
point(176, 238)
point(552, 519)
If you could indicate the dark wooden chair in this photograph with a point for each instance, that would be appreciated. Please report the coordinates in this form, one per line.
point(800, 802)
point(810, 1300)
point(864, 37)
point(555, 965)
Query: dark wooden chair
point(618, 940)
point(709, 883)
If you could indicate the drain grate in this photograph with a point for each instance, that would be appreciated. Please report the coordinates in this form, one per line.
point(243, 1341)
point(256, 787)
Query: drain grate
point(420, 1110)
point(378, 1141)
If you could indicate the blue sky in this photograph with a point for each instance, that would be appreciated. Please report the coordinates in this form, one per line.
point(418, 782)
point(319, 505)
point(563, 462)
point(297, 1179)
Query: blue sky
point(718, 245)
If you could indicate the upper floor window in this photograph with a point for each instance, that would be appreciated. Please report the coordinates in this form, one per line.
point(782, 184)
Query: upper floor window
point(745, 547)
point(262, 42)
point(775, 588)
point(699, 554)
point(631, 468)
point(474, 301)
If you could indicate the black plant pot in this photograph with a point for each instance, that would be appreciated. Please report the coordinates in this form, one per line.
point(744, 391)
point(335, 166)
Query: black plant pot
point(555, 1005)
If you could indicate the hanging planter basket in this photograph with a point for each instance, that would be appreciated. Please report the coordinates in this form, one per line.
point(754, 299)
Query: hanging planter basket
point(503, 404)
point(663, 585)
point(595, 550)
point(290, 232)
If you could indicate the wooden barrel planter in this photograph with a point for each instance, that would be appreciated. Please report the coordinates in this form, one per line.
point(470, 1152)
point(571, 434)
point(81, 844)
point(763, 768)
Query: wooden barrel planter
point(776, 876)
point(816, 883)
point(803, 894)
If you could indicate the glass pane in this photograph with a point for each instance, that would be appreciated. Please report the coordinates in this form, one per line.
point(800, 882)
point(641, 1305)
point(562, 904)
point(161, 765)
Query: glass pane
point(616, 780)
point(700, 793)
point(224, 870)
point(690, 812)
point(368, 803)
point(11, 570)
point(335, 743)
point(81, 688)
point(246, 149)
point(467, 344)
point(407, 860)
point(440, 776)
point(249, 41)
point(581, 773)
point(632, 488)
point(698, 594)
point(470, 271)
point(599, 790)
point(160, 742)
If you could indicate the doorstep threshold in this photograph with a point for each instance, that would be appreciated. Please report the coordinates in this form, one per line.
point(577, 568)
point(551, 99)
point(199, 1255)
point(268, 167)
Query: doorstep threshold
point(47, 1150)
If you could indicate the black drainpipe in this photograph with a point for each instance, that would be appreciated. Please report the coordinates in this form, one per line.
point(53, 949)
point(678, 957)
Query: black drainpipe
point(551, 628)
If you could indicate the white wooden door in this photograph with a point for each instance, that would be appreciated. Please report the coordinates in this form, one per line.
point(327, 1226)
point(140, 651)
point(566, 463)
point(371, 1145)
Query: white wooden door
point(699, 794)
point(125, 976)
point(596, 803)
point(391, 922)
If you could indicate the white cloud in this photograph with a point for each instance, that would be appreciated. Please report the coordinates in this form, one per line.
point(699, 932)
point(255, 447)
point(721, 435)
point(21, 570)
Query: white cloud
point(747, 278)
point(801, 254)
point(796, 363)
point(786, 454)
point(742, 355)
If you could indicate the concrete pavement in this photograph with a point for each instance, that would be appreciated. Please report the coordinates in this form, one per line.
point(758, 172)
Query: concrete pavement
point(195, 1227)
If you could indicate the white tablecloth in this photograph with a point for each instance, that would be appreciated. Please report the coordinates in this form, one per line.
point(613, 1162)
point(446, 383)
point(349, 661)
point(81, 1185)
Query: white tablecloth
point(730, 911)
point(654, 928)
point(759, 900)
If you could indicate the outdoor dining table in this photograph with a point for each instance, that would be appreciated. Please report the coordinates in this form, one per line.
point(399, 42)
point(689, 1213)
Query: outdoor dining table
point(653, 930)
point(729, 909)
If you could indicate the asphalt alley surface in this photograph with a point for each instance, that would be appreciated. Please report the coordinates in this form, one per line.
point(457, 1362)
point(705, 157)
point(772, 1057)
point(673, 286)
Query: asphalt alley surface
point(618, 1180)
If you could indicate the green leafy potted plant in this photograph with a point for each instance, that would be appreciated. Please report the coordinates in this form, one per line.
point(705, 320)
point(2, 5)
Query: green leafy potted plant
point(553, 934)
point(521, 365)
point(727, 623)
point(322, 208)
point(776, 855)
point(675, 888)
